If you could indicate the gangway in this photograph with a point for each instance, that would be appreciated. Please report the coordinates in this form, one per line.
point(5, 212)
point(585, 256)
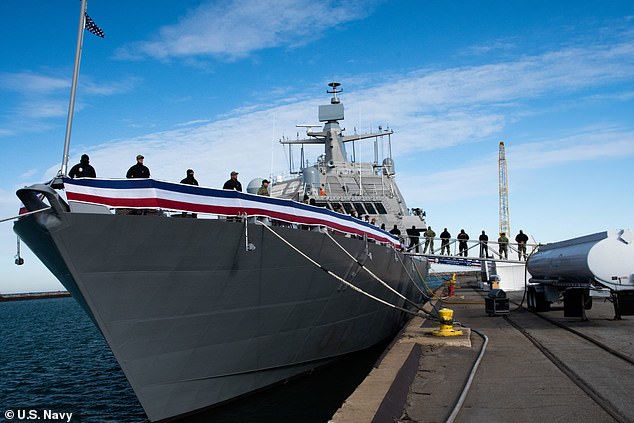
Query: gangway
point(511, 273)
point(486, 252)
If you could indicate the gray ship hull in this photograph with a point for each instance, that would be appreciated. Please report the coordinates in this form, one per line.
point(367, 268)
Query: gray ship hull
point(194, 319)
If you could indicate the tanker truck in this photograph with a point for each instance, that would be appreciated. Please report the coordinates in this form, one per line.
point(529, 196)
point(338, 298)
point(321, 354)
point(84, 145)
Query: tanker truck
point(577, 269)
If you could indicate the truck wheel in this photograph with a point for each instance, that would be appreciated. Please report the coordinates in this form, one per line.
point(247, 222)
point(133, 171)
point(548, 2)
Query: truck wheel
point(587, 303)
point(540, 302)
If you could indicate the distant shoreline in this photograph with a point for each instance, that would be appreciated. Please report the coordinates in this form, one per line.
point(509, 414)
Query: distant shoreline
point(34, 296)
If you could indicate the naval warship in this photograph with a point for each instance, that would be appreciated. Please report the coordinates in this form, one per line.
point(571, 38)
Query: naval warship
point(255, 290)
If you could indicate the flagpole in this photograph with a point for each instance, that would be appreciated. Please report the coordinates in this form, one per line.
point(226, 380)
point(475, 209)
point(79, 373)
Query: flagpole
point(73, 89)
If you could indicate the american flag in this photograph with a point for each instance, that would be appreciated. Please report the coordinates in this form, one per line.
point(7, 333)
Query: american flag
point(91, 26)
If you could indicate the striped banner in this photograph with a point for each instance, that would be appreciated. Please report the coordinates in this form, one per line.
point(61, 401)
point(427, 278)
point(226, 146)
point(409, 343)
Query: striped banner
point(153, 194)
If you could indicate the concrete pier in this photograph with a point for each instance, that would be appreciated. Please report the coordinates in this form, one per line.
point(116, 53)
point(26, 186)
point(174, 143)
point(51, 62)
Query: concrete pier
point(421, 377)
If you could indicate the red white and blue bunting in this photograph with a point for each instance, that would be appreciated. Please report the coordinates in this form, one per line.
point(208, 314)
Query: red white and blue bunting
point(153, 194)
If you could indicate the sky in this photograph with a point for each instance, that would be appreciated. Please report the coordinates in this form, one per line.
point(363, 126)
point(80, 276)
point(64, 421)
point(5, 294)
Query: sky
point(214, 85)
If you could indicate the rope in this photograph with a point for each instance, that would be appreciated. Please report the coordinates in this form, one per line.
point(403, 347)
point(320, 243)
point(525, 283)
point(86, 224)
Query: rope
point(25, 214)
point(417, 287)
point(441, 299)
point(340, 279)
point(372, 274)
point(400, 259)
point(427, 286)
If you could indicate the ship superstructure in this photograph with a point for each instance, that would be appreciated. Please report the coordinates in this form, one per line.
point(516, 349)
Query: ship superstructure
point(368, 188)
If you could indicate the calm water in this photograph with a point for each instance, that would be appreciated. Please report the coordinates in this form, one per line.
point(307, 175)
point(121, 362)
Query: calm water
point(54, 358)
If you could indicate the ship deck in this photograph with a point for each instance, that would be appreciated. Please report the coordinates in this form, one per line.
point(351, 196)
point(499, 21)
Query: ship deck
point(421, 377)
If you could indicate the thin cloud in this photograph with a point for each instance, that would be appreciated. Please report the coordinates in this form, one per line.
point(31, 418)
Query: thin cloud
point(42, 108)
point(28, 174)
point(591, 144)
point(233, 30)
point(194, 122)
point(458, 105)
point(29, 82)
point(90, 87)
point(479, 177)
point(494, 46)
point(430, 110)
point(41, 97)
point(472, 187)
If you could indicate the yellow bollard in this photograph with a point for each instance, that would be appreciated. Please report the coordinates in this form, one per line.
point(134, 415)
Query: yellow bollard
point(446, 324)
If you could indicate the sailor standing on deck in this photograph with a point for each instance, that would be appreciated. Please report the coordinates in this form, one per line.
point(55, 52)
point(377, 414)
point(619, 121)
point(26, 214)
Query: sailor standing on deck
point(484, 248)
point(83, 169)
point(445, 236)
point(414, 235)
point(189, 180)
point(463, 237)
point(429, 240)
point(233, 182)
point(138, 170)
point(503, 246)
point(264, 189)
point(521, 240)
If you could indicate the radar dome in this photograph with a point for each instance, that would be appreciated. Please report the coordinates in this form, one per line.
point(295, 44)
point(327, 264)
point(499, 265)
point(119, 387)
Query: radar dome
point(388, 166)
point(254, 185)
point(311, 177)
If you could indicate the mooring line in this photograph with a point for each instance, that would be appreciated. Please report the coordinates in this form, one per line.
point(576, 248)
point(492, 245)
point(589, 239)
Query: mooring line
point(431, 291)
point(426, 295)
point(25, 214)
point(345, 282)
point(372, 274)
point(408, 274)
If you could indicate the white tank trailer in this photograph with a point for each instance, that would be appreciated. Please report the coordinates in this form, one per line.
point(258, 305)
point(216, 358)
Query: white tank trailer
point(574, 269)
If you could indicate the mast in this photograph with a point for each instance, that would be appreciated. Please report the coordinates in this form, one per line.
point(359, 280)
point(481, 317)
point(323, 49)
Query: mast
point(331, 135)
point(73, 89)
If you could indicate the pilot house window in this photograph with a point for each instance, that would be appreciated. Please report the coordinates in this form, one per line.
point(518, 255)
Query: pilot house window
point(380, 208)
point(359, 208)
point(370, 208)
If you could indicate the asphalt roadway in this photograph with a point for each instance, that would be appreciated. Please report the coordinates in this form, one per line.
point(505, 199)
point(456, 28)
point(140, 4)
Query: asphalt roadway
point(421, 377)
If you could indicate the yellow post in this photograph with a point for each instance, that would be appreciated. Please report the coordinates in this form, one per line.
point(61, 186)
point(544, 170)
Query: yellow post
point(446, 324)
